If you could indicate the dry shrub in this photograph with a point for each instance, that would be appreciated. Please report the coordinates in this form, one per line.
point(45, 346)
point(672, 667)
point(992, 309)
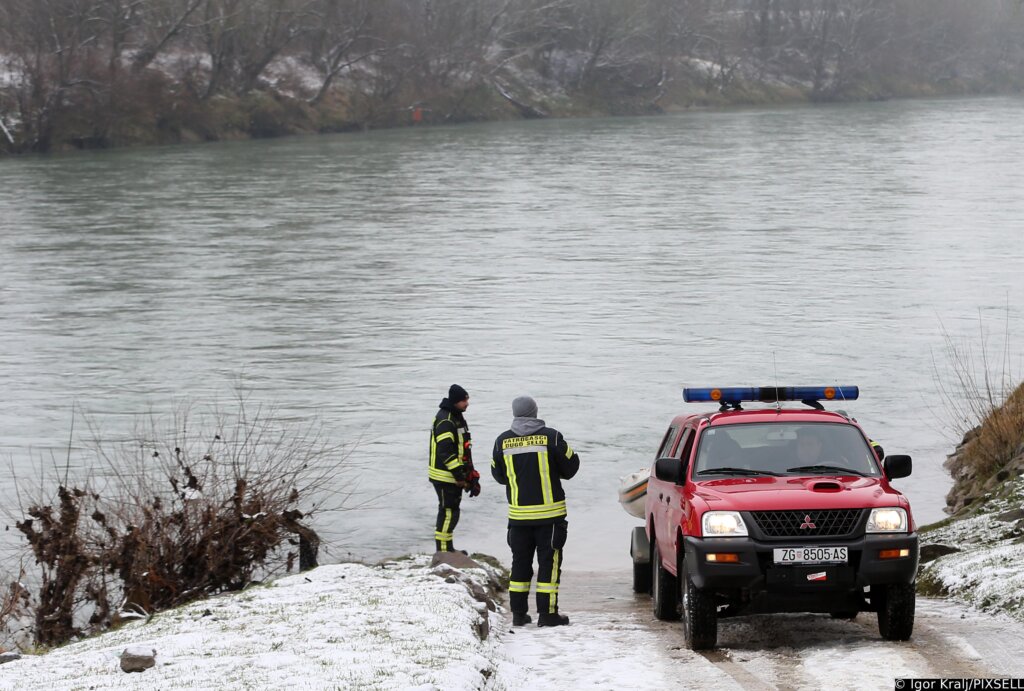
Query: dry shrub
point(15, 606)
point(177, 512)
point(998, 439)
point(983, 402)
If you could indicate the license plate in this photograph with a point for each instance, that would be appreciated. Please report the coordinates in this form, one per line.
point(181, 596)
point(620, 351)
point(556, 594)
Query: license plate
point(810, 555)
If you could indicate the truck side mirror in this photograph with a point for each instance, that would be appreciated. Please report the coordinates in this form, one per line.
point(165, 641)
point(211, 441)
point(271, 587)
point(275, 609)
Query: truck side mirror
point(897, 466)
point(669, 470)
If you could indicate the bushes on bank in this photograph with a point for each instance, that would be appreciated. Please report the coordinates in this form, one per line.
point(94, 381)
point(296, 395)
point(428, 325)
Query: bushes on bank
point(181, 510)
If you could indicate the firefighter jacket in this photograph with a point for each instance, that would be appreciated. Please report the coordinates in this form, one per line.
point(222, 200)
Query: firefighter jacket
point(532, 467)
point(450, 446)
point(877, 448)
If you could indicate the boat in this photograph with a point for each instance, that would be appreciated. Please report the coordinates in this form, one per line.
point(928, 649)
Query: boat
point(633, 492)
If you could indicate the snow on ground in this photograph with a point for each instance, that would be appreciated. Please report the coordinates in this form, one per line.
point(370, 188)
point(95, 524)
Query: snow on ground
point(995, 641)
point(8, 72)
point(878, 666)
point(600, 652)
point(290, 69)
point(402, 625)
point(986, 572)
point(347, 626)
point(812, 651)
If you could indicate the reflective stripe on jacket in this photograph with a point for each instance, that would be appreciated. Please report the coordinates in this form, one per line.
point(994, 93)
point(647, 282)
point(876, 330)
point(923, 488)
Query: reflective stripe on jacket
point(532, 468)
point(449, 446)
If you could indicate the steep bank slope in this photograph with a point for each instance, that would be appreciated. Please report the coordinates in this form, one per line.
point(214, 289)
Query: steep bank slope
point(975, 555)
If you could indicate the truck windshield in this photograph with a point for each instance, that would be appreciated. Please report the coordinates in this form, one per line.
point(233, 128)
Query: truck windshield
point(784, 448)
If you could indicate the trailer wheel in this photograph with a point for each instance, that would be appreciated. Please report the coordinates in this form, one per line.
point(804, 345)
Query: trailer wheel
point(641, 577)
point(664, 587)
point(640, 551)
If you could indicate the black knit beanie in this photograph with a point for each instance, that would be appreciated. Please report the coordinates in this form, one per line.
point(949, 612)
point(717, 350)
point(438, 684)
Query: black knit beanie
point(457, 394)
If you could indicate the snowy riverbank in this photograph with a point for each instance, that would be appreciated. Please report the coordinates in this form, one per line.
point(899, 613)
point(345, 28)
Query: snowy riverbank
point(976, 558)
point(404, 625)
point(348, 626)
point(397, 625)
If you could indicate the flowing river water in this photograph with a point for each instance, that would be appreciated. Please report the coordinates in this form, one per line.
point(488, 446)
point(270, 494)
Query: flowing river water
point(598, 265)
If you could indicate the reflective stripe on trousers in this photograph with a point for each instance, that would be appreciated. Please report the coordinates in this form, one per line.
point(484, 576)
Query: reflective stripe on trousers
point(449, 498)
point(546, 541)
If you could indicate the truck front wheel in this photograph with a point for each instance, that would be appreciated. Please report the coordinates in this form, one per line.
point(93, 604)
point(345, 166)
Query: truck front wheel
point(664, 588)
point(700, 616)
point(896, 611)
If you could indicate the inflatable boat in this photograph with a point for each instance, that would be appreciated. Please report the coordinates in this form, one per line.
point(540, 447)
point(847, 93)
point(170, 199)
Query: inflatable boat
point(633, 492)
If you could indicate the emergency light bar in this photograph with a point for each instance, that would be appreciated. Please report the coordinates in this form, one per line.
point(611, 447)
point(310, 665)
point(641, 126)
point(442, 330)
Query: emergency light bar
point(771, 394)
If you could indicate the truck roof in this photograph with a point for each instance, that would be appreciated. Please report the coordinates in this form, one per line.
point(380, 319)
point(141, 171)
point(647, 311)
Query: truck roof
point(732, 417)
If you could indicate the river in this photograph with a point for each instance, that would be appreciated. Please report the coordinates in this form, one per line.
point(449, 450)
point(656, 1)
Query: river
point(599, 265)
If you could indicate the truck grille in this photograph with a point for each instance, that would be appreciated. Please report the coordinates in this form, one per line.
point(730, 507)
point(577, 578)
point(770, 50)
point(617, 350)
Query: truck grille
point(810, 523)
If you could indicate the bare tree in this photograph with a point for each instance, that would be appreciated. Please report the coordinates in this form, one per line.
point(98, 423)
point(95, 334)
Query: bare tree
point(161, 22)
point(340, 36)
point(605, 34)
point(68, 59)
point(53, 43)
point(118, 20)
point(242, 37)
point(265, 30)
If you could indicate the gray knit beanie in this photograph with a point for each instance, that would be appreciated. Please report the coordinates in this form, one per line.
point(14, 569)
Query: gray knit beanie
point(524, 406)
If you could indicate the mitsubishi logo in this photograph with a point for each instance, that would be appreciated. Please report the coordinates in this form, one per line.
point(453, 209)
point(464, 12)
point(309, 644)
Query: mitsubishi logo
point(807, 524)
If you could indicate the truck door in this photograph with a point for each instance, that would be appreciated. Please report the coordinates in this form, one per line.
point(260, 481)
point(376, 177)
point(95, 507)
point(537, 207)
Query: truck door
point(656, 489)
point(676, 508)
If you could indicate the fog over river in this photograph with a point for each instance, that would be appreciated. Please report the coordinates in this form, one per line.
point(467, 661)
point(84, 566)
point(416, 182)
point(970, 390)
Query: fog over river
point(598, 265)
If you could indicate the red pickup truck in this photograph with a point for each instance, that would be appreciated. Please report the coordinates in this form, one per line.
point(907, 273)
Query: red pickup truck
point(786, 508)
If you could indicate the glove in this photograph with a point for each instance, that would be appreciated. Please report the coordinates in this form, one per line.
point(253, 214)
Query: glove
point(474, 484)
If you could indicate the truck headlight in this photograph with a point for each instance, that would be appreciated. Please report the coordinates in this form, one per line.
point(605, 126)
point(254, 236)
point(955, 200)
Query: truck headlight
point(887, 520)
point(723, 524)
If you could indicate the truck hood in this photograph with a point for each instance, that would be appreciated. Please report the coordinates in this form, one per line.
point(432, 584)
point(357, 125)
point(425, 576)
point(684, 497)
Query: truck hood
point(771, 493)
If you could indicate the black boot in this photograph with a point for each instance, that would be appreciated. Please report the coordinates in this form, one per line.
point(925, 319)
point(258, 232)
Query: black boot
point(451, 548)
point(521, 618)
point(552, 620)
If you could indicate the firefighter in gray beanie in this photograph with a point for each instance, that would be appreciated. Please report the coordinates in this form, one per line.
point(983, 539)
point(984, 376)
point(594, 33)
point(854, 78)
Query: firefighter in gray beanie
point(451, 465)
point(534, 459)
point(524, 406)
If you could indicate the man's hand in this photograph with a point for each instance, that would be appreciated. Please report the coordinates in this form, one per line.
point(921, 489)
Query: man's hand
point(473, 479)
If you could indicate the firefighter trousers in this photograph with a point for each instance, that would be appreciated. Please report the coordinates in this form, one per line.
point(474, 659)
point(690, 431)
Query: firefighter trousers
point(449, 497)
point(547, 542)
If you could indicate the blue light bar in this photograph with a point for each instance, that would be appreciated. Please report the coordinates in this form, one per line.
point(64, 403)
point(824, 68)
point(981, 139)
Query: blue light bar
point(771, 394)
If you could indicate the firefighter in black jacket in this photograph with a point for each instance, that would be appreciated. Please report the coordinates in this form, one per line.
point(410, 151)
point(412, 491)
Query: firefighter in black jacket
point(531, 460)
point(451, 465)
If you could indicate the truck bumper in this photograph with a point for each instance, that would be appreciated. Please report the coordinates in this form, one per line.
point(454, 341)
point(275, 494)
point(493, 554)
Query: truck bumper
point(769, 587)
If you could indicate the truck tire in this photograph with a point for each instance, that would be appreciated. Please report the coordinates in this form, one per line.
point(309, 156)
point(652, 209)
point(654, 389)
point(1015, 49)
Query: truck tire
point(896, 613)
point(641, 577)
point(700, 616)
point(664, 588)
